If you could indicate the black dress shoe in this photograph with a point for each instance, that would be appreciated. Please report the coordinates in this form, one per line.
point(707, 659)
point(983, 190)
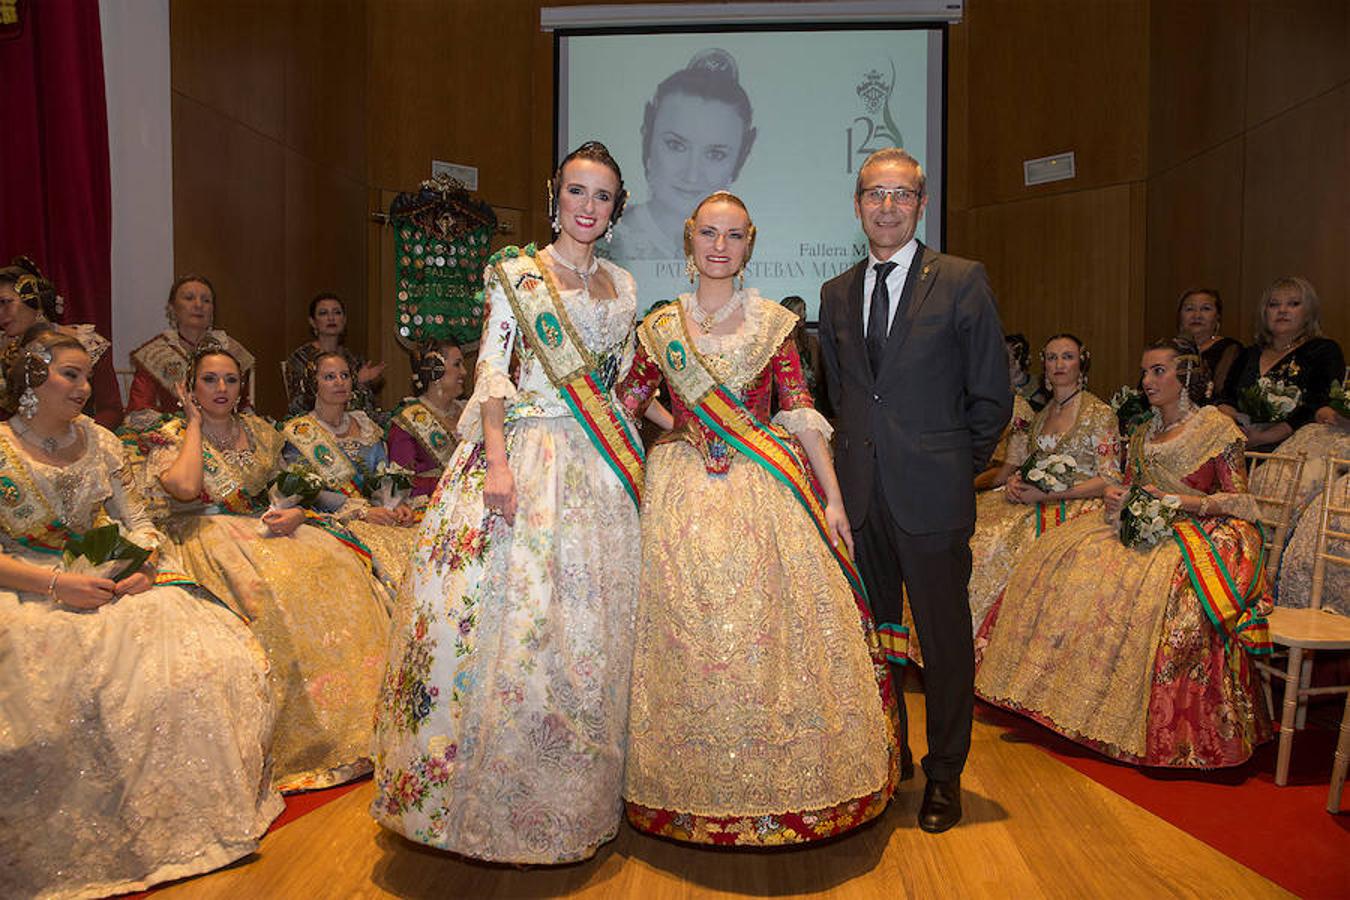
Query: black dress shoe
point(941, 807)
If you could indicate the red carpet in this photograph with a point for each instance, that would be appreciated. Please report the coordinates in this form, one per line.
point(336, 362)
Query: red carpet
point(298, 805)
point(1284, 833)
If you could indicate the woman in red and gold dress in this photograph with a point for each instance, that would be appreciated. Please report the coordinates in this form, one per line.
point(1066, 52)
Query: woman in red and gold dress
point(162, 362)
point(1143, 652)
point(761, 710)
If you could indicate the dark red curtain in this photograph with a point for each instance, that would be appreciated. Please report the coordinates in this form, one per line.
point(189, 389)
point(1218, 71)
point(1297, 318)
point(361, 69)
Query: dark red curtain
point(55, 196)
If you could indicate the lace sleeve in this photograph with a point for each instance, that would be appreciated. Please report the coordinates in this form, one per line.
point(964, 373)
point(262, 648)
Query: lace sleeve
point(797, 412)
point(1223, 478)
point(492, 374)
point(126, 504)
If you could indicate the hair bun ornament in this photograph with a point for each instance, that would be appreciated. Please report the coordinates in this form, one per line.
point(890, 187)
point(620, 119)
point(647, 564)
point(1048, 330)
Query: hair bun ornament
point(715, 60)
point(430, 369)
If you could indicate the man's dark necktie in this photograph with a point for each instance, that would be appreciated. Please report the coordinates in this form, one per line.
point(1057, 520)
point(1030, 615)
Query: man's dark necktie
point(879, 317)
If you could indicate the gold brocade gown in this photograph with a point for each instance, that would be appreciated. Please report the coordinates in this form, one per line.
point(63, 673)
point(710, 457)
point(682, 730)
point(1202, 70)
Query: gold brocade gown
point(1110, 646)
point(1004, 530)
point(313, 603)
point(761, 710)
point(1294, 587)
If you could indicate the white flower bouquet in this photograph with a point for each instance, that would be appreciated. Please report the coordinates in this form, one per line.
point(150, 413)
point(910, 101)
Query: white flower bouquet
point(1146, 519)
point(1052, 473)
point(390, 484)
point(1339, 398)
point(1131, 407)
point(295, 485)
point(1269, 400)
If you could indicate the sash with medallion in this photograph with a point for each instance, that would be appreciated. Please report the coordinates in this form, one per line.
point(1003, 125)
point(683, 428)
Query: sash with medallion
point(426, 428)
point(317, 445)
point(691, 379)
point(1227, 608)
point(25, 514)
point(542, 320)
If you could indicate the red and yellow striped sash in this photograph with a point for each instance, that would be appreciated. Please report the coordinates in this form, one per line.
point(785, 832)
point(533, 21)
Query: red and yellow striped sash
point(1232, 613)
point(570, 366)
point(716, 407)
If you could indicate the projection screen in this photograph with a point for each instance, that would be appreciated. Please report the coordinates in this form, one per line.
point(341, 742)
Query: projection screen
point(780, 116)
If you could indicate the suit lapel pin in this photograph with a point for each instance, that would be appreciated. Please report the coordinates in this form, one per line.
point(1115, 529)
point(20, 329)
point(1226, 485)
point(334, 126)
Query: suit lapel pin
point(924, 272)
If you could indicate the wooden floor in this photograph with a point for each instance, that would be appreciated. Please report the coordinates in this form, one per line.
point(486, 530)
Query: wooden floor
point(1033, 828)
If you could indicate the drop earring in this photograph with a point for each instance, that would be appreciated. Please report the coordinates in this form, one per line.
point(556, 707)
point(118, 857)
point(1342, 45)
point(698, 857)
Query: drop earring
point(689, 268)
point(552, 212)
point(28, 403)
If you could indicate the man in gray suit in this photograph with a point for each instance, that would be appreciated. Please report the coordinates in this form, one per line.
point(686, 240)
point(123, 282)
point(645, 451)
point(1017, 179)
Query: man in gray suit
point(918, 375)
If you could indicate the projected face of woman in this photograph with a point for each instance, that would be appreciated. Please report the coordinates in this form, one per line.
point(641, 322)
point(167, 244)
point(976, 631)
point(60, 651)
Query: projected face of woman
point(695, 144)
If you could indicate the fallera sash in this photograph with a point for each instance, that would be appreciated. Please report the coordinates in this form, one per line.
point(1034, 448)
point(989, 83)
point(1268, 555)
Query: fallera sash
point(222, 485)
point(25, 514)
point(165, 357)
point(542, 320)
point(426, 428)
point(321, 452)
point(692, 381)
point(1048, 515)
point(1233, 614)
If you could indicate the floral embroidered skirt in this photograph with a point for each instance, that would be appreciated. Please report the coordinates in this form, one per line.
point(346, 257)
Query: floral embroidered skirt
point(1110, 647)
point(133, 742)
point(762, 710)
point(501, 723)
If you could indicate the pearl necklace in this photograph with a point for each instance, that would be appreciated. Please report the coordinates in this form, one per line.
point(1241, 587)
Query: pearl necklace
point(576, 270)
point(710, 320)
point(48, 445)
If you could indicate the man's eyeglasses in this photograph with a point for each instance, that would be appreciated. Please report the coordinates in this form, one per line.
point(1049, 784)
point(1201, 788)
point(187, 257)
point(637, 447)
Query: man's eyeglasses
point(900, 196)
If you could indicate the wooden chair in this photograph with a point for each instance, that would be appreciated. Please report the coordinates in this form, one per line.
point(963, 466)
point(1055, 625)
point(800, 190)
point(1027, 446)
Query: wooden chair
point(1276, 492)
point(1305, 631)
point(1277, 509)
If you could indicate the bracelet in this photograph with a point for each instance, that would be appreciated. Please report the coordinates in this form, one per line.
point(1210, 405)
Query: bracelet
point(51, 585)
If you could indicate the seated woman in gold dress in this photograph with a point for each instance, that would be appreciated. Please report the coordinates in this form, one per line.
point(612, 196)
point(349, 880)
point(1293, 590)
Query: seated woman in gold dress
point(1074, 423)
point(761, 708)
point(134, 716)
point(325, 636)
point(1141, 652)
point(347, 450)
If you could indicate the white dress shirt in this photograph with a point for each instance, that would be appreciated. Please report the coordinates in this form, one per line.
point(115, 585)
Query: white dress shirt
point(895, 281)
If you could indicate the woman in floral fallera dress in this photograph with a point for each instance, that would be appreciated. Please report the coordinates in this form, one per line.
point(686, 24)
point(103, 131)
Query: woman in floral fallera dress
point(1143, 653)
point(500, 727)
